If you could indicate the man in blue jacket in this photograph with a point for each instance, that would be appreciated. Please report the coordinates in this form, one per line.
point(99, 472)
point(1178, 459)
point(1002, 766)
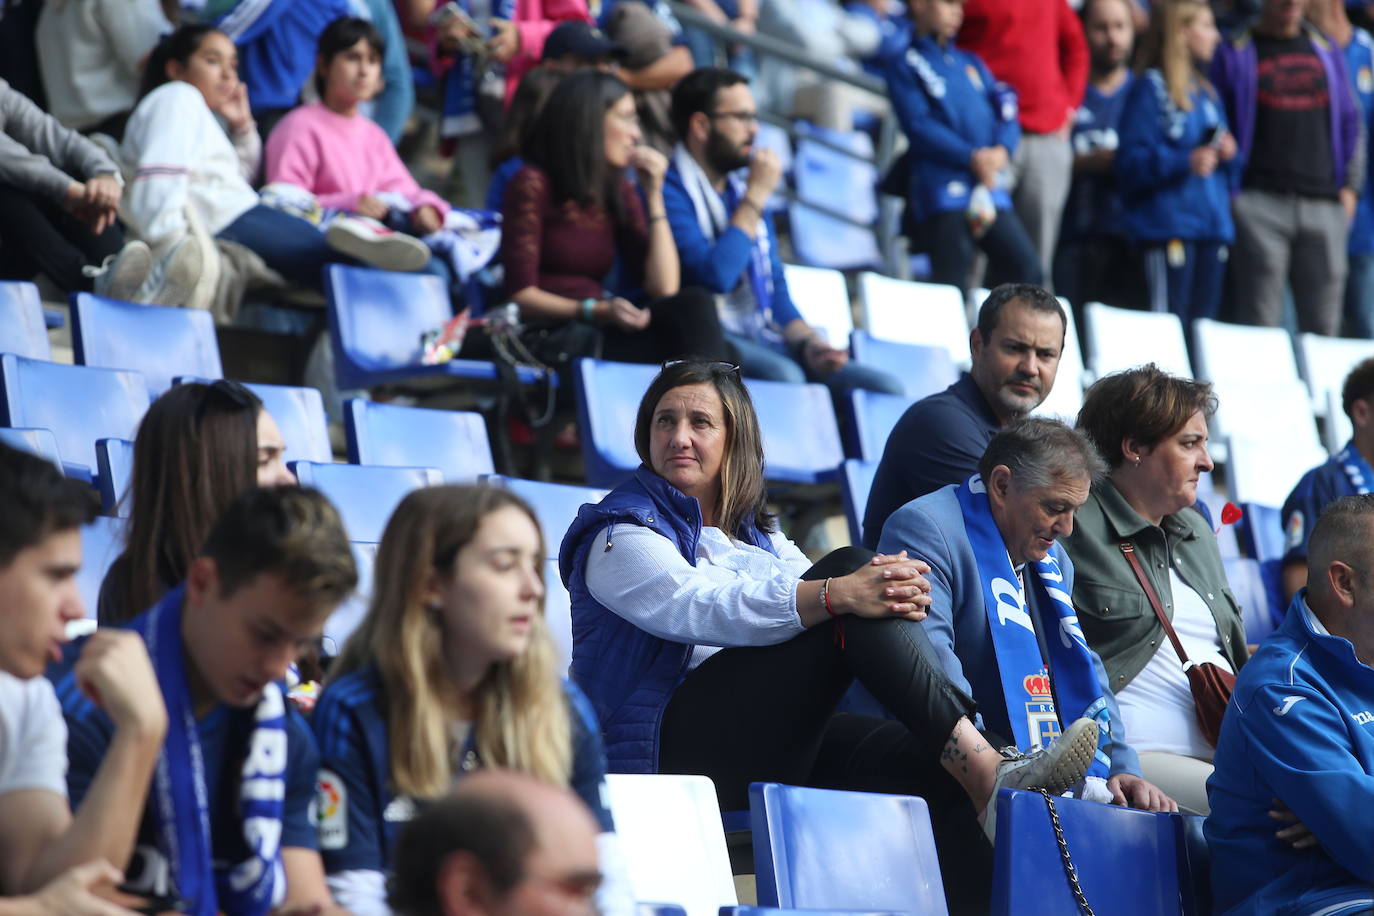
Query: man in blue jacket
point(1300, 728)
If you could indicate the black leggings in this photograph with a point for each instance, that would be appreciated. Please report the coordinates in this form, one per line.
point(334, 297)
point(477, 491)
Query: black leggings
point(767, 714)
point(38, 236)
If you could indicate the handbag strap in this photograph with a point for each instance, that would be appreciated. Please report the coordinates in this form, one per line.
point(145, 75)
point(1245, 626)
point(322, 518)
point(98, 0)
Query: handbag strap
point(1128, 549)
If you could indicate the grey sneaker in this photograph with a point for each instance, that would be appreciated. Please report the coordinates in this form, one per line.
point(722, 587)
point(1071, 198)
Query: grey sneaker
point(122, 274)
point(1056, 768)
point(372, 243)
point(174, 277)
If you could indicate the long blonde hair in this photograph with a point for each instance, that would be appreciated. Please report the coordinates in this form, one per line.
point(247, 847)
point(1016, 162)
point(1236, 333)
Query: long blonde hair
point(1166, 51)
point(521, 717)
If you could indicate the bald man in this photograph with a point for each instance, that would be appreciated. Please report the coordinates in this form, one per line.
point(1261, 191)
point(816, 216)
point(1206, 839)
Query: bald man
point(503, 844)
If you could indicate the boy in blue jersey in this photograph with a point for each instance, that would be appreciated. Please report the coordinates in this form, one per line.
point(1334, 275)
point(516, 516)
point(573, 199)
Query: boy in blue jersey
point(963, 130)
point(1347, 473)
point(227, 826)
point(1300, 728)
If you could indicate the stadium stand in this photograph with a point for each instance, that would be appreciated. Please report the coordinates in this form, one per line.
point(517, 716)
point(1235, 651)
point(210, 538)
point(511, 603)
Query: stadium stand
point(919, 313)
point(924, 369)
point(365, 495)
point(23, 330)
point(453, 441)
point(161, 342)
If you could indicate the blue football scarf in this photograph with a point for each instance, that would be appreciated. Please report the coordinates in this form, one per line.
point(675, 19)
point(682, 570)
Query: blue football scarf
point(1357, 470)
point(1071, 682)
point(180, 804)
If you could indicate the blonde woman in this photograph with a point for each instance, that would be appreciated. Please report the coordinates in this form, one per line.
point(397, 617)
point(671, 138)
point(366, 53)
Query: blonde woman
point(1176, 163)
point(451, 670)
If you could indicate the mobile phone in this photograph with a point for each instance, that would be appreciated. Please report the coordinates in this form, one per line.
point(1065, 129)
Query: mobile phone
point(1211, 136)
point(449, 12)
point(152, 904)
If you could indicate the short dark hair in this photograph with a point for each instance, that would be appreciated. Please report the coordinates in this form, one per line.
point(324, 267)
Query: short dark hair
point(1341, 534)
point(568, 140)
point(292, 532)
point(340, 35)
point(495, 830)
point(1040, 451)
point(1359, 384)
point(1028, 294)
point(37, 501)
point(1145, 403)
point(697, 92)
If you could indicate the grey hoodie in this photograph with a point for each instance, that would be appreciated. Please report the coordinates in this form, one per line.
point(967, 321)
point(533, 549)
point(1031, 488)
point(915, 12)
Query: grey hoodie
point(38, 154)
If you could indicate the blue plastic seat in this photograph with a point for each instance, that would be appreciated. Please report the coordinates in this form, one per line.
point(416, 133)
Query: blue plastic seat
point(376, 318)
point(299, 412)
point(453, 441)
point(875, 414)
point(40, 442)
point(80, 404)
point(1258, 611)
point(856, 479)
point(801, 438)
point(924, 370)
point(1127, 861)
point(102, 541)
point(558, 614)
point(365, 495)
point(1261, 535)
point(159, 341)
point(23, 328)
point(114, 459)
point(831, 850)
point(1195, 865)
point(843, 184)
point(554, 504)
point(348, 615)
point(608, 396)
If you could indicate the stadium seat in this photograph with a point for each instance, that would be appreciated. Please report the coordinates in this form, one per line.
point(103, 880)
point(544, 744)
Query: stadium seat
point(608, 395)
point(1242, 353)
point(921, 313)
point(771, 136)
point(825, 849)
point(554, 504)
point(1337, 430)
point(1216, 504)
point(875, 414)
point(822, 298)
point(1275, 414)
point(558, 614)
point(102, 541)
point(1262, 537)
point(159, 341)
point(1127, 861)
point(35, 441)
point(856, 479)
point(299, 412)
point(1258, 591)
point(80, 404)
point(114, 460)
point(23, 329)
point(1266, 470)
point(672, 840)
point(365, 495)
point(801, 437)
point(1124, 338)
point(350, 614)
point(454, 441)
point(841, 183)
point(1325, 362)
point(376, 318)
point(1196, 865)
point(923, 369)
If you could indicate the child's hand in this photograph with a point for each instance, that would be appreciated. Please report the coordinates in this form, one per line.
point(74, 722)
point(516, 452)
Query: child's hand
point(425, 220)
point(504, 42)
point(371, 207)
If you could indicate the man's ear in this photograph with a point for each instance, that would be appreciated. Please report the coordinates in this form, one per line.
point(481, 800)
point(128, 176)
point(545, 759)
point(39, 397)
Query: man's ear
point(699, 126)
point(1343, 581)
point(999, 483)
point(464, 887)
point(202, 580)
point(975, 343)
point(1361, 413)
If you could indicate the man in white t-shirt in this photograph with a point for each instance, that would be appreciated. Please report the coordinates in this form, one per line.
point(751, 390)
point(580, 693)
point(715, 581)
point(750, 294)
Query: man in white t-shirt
point(51, 861)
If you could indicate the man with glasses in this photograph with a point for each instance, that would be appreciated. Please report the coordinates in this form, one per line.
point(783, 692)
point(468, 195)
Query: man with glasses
point(717, 186)
point(227, 824)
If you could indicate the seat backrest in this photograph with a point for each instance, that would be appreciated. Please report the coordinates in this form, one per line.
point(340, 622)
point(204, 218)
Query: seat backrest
point(555, 505)
point(822, 298)
point(23, 330)
point(875, 414)
point(1123, 338)
point(801, 437)
point(365, 495)
point(102, 541)
point(348, 615)
point(856, 479)
point(376, 317)
point(831, 850)
point(80, 404)
point(921, 313)
point(1326, 361)
point(1277, 411)
point(1338, 429)
point(840, 183)
point(1256, 594)
point(1242, 352)
point(454, 441)
point(1127, 861)
point(35, 441)
point(299, 412)
point(558, 614)
point(160, 341)
point(608, 396)
point(672, 840)
point(1195, 864)
point(924, 369)
point(1266, 470)
point(1261, 531)
point(114, 460)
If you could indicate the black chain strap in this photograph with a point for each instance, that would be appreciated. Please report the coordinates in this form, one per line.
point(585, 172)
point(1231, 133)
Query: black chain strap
point(1070, 871)
point(505, 340)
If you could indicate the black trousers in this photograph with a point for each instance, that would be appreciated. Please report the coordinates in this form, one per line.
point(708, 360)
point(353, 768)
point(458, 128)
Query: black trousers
point(1011, 254)
point(38, 236)
point(767, 714)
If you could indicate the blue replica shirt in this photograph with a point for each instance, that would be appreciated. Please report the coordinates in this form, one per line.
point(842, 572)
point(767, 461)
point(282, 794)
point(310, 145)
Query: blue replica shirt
point(949, 105)
point(1094, 205)
point(224, 734)
point(937, 442)
point(1359, 63)
point(360, 817)
point(894, 30)
point(1318, 488)
point(1300, 728)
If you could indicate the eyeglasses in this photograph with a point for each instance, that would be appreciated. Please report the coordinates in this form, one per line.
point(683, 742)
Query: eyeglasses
point(744, 117)
point(713, 365)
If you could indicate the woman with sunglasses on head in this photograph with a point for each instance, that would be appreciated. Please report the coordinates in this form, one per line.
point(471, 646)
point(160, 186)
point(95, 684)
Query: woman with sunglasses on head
point(709, 643)
point(452, 669)
point(197, 448)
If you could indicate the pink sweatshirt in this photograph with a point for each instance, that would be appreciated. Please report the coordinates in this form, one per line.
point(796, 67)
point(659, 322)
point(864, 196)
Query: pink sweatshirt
point(339, 159)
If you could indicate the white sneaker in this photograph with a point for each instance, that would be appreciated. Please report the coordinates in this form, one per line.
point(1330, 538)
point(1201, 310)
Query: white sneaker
point(174, 277)
point(1056, 768)
point(372, 243)
point(121, 275)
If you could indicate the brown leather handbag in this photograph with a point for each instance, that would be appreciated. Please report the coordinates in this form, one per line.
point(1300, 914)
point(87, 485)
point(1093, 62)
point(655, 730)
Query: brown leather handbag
point(1211, 684)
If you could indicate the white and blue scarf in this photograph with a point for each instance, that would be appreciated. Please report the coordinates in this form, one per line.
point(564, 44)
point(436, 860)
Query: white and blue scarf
point(180, 802)
point(458, 114)
point(1357, 470)
point(1070, 684)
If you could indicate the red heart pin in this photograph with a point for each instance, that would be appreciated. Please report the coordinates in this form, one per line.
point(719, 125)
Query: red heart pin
point(1230, 514)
